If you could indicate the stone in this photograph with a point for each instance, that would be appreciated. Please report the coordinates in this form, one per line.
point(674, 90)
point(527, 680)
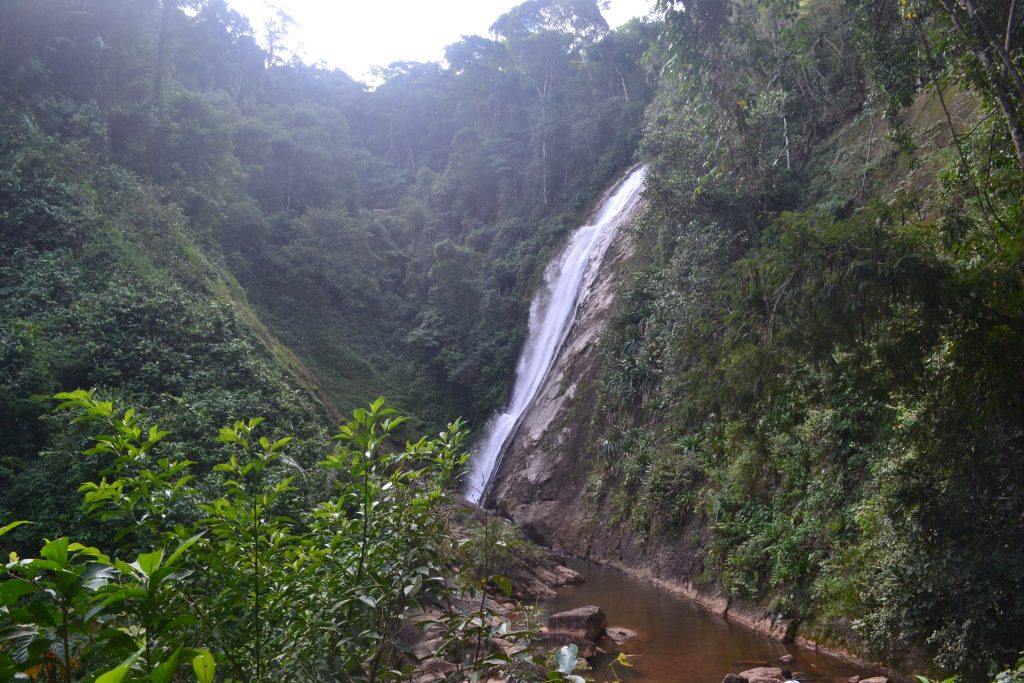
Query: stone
point(854, 679)
point(876, 679)
point(425, 649)
point(583, 622)
point(619, 634)
point(762, 673)
point(566, 576)
point(734, 678)
point(506, 647)
point(527, 586)
point(786, 659)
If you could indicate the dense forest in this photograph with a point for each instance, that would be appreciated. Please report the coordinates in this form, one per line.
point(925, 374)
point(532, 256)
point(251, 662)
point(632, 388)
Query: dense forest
point(818, 358)
point(200, 229)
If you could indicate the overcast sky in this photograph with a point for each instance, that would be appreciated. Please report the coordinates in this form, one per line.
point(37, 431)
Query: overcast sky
point(356, 35)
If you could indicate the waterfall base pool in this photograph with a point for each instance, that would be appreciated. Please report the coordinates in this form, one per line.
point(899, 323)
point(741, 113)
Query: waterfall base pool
point(678, 641)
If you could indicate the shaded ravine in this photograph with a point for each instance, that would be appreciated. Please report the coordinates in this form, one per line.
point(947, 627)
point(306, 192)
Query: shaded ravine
point(551, 315)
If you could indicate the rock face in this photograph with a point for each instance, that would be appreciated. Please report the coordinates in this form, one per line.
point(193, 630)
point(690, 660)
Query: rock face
point(540, 477)
point(538, 582)
point(540, 482)
point(583, 622)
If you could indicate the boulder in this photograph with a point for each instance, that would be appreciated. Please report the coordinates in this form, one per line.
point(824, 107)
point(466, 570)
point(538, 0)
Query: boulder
point(426, 649)
point(734, 678)
point(619, 634)
point(528, 586)
point(567, 576)
point(583, 622)
point(876, 679)
point(786, 659)
point(762, 673)
point(854, 679)
point(506, 647)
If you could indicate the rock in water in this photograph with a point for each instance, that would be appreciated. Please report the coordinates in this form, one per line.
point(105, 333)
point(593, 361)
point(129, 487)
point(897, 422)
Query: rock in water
point(766, 674)
point(619, 635)
point(734, 678)
point(583, 622)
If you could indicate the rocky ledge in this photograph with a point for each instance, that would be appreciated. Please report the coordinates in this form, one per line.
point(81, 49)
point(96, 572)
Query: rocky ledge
point(772, 674)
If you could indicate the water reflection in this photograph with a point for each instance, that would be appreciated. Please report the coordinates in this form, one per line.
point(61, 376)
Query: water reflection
point(679, 642)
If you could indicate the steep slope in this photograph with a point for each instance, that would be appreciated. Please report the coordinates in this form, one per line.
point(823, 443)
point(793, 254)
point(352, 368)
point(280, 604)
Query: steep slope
point(808, 399)
point(538, 481)
point(195, 227)
point(106, 287)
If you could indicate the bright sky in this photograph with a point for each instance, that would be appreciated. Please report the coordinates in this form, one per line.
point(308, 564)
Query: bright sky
point(356, 35)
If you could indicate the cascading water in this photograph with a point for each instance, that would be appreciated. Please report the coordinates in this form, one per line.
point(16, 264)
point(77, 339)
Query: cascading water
point(551, 314)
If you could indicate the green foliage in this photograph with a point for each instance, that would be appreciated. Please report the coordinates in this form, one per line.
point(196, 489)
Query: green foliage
point(159, 145)
point(495, 547)
point(317, 593)
point(815, 386)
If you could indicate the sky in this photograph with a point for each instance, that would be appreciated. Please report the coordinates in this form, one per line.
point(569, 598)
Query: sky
point(356, 35)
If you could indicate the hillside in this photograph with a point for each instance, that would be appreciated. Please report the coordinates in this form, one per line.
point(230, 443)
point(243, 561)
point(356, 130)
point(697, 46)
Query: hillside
point(198, 228)
point(797, 391)
point(808, 407)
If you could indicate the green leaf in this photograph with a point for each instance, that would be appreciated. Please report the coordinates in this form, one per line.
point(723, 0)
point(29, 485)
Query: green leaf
point(182, 547)
point(13, 589)
point(13, 525)
point(117, 675)
point(90, 551)
point(415, 586)
point(166, 669)
point(503, 584)
point(147, 563)
point(56, 551)
point(204, 666)
point(227, 435)
point(114, 675)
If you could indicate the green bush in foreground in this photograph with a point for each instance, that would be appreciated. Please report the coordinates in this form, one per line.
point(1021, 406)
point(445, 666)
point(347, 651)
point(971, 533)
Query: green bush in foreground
point(252, 583)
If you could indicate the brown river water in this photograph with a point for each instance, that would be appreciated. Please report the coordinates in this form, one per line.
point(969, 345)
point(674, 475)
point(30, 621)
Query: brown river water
point(679, 642)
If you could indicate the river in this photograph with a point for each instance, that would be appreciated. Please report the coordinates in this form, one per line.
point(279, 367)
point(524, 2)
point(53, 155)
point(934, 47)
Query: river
point(679, 642)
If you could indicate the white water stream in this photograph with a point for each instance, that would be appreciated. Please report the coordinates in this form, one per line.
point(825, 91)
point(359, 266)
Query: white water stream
point(551, 314)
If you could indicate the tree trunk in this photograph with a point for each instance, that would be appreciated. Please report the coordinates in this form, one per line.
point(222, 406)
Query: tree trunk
point(999, 88)
point(986, 36)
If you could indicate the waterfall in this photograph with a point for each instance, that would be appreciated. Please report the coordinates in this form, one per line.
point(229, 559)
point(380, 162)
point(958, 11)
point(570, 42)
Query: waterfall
point(551, 314)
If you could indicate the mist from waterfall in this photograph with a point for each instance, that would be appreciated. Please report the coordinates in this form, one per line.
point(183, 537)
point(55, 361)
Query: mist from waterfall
point(551, 314)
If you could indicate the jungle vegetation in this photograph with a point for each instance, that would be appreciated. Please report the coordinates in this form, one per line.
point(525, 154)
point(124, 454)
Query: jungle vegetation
point(821, 359)
point(818, 359)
